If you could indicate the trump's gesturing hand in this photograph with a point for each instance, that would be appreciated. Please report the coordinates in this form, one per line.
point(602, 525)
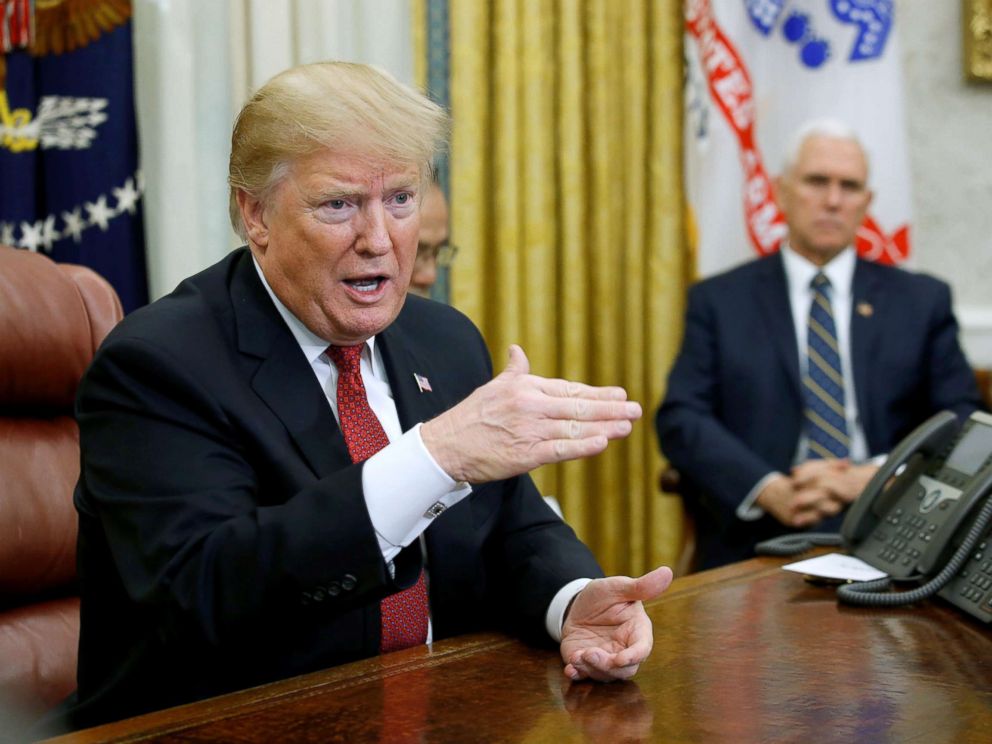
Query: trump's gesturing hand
point(607, 633)
point(519, 421)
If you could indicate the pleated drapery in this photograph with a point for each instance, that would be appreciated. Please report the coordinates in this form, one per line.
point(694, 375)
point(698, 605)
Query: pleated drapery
point(567, 208)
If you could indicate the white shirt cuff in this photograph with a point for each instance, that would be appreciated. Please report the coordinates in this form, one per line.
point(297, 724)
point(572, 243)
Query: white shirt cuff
point(747, 510)
point(554, 618)
point(405, 490)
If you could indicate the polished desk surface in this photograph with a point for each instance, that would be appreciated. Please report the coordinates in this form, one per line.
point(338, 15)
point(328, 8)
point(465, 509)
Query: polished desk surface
point(745, 653)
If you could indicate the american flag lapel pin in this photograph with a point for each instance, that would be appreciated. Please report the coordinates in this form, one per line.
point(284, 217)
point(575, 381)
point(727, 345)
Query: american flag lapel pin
point(423, 384)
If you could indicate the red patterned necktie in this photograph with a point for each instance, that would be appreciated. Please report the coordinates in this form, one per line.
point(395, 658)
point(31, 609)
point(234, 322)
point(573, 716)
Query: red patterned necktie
point(404, 614)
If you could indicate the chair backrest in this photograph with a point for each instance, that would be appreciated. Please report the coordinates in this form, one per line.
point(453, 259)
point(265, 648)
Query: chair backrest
point(52, 318)
point(984, 379)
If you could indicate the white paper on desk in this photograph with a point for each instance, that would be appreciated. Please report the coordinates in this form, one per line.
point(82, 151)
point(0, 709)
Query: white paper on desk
point(837, 566)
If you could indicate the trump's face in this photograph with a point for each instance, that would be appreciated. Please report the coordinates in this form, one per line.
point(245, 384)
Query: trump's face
point(824, 196)
point(336, 241)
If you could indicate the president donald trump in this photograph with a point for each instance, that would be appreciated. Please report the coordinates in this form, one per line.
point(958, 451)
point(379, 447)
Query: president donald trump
point(289, 463)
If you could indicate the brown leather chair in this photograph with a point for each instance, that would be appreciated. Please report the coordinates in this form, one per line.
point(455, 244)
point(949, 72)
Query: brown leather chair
point(52, 318)
point(984, 379)
point(670, 482)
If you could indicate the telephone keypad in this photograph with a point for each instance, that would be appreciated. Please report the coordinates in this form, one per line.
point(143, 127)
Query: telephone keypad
point(970, 592)
point(972, 587)
point(902, 536)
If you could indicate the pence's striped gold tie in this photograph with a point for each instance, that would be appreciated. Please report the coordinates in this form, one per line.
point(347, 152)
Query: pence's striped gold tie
point(826, 422)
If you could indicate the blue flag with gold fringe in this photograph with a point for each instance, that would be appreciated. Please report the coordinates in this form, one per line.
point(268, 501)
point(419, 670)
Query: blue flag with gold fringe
point(70, 185)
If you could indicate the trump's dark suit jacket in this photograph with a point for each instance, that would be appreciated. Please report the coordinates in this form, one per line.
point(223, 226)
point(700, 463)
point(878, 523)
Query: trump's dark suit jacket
point(224, 539)
point(733, 409)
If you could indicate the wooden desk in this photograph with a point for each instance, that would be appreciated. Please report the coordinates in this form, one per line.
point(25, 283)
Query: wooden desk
point(745, 653)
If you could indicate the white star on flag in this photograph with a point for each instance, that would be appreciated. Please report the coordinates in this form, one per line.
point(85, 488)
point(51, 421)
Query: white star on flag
point(127, 197)
point(74, 224)
point(48, 233)
point(31, 235)
point(100, 214)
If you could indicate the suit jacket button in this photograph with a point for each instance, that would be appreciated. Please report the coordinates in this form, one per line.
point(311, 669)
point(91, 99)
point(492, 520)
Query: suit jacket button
point(333, 589)
point(306, 598)
point(319, 595)
point(349, 582)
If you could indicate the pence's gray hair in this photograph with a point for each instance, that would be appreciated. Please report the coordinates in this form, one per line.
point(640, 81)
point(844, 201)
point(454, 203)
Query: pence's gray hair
point(826, 127)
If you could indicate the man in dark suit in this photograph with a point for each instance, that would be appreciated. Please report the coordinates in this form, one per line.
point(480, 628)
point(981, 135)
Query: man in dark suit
point(433, 249)
point(288, 463)
point(773, 429)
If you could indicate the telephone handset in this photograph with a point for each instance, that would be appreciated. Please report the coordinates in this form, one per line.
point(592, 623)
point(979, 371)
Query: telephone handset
point(927, 516)
point(886, 501)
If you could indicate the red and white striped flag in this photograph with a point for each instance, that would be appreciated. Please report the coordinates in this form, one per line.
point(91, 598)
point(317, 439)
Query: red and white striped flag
point(756, 71)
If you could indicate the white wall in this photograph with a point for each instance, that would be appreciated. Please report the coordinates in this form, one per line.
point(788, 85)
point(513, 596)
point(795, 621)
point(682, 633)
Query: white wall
point(950, 140)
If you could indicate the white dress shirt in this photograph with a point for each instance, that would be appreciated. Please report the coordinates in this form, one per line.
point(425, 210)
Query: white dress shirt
point(404, 467)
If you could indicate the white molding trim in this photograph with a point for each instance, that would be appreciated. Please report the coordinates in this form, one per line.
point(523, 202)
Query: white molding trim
point(976, 334)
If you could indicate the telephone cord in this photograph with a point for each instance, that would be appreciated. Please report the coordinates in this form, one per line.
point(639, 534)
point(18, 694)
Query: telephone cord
point(796, 543)
point(867, 593)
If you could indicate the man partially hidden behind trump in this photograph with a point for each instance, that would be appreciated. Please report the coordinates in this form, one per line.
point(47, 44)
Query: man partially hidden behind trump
point(288, 463)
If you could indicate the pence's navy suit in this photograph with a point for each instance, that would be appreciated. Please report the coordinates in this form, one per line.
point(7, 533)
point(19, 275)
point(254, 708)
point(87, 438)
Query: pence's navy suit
point(733, 409)
point(224, 539)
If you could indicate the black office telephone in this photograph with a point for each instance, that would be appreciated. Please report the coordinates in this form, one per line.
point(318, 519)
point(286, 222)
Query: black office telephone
point(925, 518)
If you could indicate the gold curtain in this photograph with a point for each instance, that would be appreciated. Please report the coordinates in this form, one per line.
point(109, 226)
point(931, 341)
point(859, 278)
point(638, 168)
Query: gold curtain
point(567, 208)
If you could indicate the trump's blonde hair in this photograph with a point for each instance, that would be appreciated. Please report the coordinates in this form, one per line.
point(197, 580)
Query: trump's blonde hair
point(344, 107)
